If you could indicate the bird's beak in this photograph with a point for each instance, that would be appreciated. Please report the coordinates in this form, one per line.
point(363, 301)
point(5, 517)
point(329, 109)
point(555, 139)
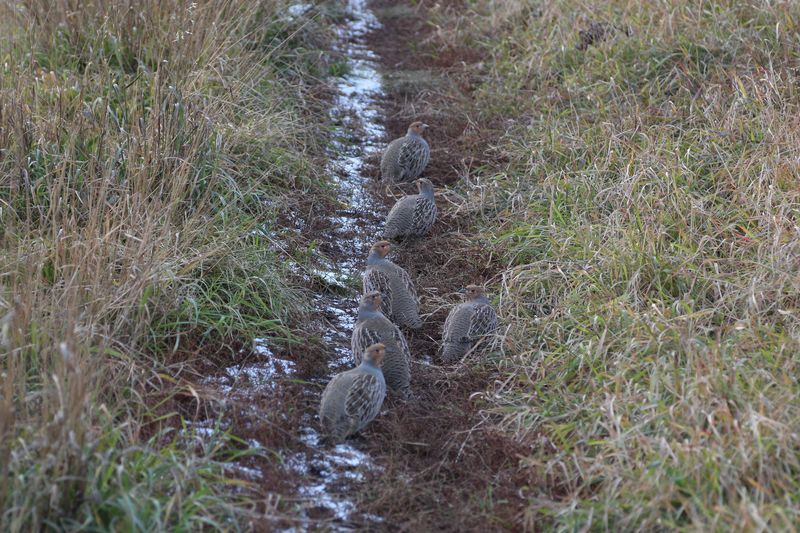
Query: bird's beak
point(425, 126)
point(462, 291)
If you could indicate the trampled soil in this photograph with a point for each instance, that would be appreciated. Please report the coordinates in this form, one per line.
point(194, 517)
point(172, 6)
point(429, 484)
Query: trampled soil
point(425, 464)
point(443, 469)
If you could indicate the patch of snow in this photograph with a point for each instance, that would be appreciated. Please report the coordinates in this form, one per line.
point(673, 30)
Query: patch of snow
point(253, 474)
point(332, 278)
point(330, 474)
point(327, 471)
point(297, 10)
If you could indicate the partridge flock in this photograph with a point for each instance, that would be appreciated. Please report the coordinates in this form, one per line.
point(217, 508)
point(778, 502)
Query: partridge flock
point(352, 399)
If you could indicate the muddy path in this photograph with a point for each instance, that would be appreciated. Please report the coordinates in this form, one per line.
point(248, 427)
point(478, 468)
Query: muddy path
point(427, 464)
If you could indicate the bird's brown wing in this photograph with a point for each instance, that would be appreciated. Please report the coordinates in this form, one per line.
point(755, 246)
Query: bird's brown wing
point(376, 279)
point(482, 321)
point(364, 399)
point(363, 337)
point(424, 214)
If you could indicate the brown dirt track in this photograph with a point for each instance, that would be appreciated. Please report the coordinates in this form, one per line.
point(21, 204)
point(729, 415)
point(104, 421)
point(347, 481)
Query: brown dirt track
point(440, 467)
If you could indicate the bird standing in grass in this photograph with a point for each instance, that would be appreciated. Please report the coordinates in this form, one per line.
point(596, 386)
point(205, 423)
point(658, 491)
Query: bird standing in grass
point(373, 327)
point(398, 296)
point(466, 323)
point(412, 215)
point(353, 398)
point(405, 158)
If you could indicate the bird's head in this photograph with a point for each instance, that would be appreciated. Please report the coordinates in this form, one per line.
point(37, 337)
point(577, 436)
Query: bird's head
point(417, 127)
point(381, 248)
point(371, 301)
point(424, 185)
point(473, 292)
point(374, 354)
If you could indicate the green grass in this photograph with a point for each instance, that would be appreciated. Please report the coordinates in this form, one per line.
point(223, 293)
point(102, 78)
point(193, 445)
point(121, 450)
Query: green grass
point(142, 147)
point(648, 207)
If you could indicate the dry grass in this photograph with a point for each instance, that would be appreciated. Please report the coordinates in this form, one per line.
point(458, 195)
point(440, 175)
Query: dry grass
point(644, 206)
point(141, 143)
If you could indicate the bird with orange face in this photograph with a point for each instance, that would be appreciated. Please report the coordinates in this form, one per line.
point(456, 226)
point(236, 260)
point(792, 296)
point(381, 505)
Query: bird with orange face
point(352, 399)
point(373, 327)
point(405, 158)
point(412, 215)
point(398, 297)
point(467, 323)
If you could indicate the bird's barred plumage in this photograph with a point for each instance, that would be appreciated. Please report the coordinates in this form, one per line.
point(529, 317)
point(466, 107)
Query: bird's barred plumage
point(465, 325)
point(364, 400)
point(351, 400)
point(405, 158)
point(414, 156)
point(399, 298)
point(411, 216)
point(396, 362)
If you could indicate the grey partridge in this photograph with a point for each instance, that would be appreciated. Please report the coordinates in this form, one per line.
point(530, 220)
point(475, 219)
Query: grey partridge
point(412, 215)
point(466, 323)
point(352, 399)
point(405, 158)
point(373, 327)
point(398, 296)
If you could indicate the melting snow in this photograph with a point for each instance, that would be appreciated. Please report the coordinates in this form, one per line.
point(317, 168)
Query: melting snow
point(329, 473)
point(297, 10)
point(261, 371)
